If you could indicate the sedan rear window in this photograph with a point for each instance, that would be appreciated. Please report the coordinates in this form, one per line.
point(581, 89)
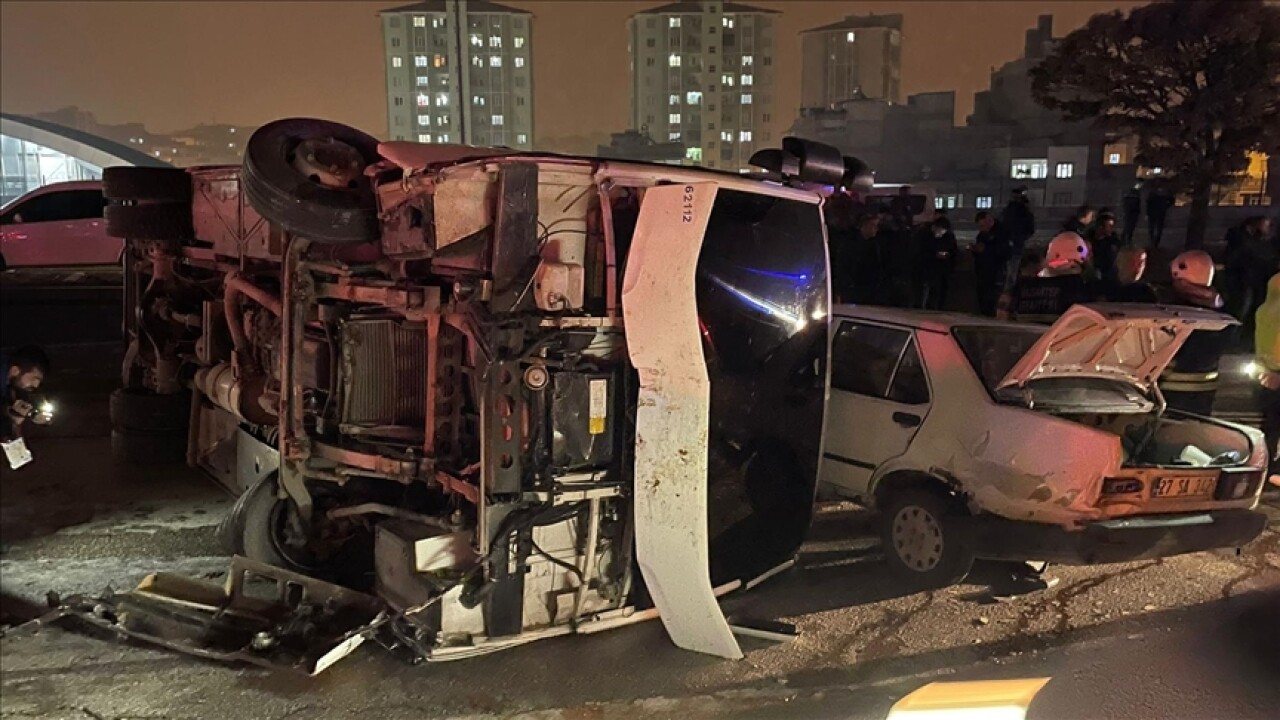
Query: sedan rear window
point(993, 351)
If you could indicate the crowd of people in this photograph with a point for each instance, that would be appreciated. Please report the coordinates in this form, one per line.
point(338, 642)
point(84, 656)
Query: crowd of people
point(880, 256)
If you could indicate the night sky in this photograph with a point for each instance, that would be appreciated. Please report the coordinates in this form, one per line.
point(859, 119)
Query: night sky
point(176, 64)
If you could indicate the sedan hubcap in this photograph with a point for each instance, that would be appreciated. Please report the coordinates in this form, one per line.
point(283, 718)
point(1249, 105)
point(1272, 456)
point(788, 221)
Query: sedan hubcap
point(917, 538)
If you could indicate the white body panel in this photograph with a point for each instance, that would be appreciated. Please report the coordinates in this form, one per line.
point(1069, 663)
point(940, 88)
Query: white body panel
point(660, 309)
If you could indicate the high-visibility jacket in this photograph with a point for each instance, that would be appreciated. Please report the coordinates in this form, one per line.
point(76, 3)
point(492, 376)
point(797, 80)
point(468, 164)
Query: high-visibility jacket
point(1266, 334)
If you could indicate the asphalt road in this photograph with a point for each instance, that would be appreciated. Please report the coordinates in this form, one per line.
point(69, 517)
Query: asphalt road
point(1196, 636)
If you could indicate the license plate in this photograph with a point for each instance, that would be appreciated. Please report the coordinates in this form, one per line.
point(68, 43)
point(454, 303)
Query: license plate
point(1166, 487)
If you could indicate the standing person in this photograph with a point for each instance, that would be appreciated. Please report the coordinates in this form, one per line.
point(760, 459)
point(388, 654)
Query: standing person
point(1020, 223)
point(938, 262)
point(899, 253)
point(1252, 259)
point(1267, 355)
point(866, 271)
point(1080, 222)
point(840, 230)
point(1190, 381)
point(1126, 284)
point(1159, 200)
point(991, 254)
point(1019, 220)
point(1131, 203)
point(900, 208)
point(1105, 243)
point(1056, 288)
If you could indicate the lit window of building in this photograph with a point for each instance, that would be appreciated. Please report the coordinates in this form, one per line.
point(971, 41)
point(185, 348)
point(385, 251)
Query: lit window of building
point(673, 136)
point(693, 97)
point(727, 80)
point(477, 41)
point(1113, 159)
point(419, 21)
point(519, 62)
point(438, 61)
point(694, 154)
point(423, 100)
point(498, 120)
point(495, 61)
point(442, 121)
point(442, 99)
point(522, 139)
point(396, 62)
point(984, 202)
point(518, 42)
point(673, 99)
point(424, 138)
point(495, 41)
point(727, 22)
point(420, 60)
point(744, 136)
point(674, 118)
point(673, 22)
point(437, 23)
point(444, 138)
point(726, 136)
point(746, 98)
point(422, 81)
point(477, 61)
point(1036, 169)
point(1064, 170)
point(674, 60)
point(850, 36)
point(746, 80)
point(424, 120)
point(477, 100)
point(747, 60)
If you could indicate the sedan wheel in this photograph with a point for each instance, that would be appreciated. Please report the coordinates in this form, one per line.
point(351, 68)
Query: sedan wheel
point(917, 538)
point(926, 539)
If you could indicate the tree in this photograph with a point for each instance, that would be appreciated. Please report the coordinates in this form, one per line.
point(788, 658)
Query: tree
point(1196, 82)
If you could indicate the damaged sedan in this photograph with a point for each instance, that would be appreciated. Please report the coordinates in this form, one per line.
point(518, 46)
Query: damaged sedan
point(976, 438)
point(513, 395)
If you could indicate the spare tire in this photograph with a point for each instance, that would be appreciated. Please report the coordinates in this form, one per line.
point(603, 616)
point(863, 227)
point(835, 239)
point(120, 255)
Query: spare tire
point(146, 184)
point(307, 177)
point(145, 411)
point(163, 221)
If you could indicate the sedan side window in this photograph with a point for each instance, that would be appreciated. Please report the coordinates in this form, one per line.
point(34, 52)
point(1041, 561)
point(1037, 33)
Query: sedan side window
point(910, 385)
point(863, 358)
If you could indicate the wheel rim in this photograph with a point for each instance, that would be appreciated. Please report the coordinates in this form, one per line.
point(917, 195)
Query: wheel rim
point(281, 541)
point(329, 162)
point(917, 538)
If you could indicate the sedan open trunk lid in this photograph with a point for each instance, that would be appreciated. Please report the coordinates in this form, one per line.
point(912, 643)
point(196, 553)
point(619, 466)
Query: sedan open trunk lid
point(1111, 341)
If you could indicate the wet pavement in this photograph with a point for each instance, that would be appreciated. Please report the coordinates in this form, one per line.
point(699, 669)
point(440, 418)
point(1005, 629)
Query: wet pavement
point(1181, 637)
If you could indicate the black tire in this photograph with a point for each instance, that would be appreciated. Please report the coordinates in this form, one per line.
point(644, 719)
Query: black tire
point(146, 184)
point(301, 204)
point(257, 529)
point(253, 523)
point(141, 447)
point(162, 221)
point(132, 410)
point(926, 539)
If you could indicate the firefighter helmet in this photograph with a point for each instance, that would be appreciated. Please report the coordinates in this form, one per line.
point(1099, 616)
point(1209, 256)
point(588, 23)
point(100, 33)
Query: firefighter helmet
point(1193, 267)
point(1066, 249)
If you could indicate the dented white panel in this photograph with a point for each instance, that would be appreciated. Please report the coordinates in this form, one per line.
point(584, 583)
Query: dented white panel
point(660, 310)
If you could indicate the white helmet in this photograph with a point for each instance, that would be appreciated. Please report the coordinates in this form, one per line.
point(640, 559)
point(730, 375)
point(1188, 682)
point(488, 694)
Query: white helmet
point(1194, 267)
point(1065, 249)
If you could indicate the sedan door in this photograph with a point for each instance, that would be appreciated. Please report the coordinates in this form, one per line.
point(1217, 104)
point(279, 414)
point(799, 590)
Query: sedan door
point(879, 398)
point(58, 228)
